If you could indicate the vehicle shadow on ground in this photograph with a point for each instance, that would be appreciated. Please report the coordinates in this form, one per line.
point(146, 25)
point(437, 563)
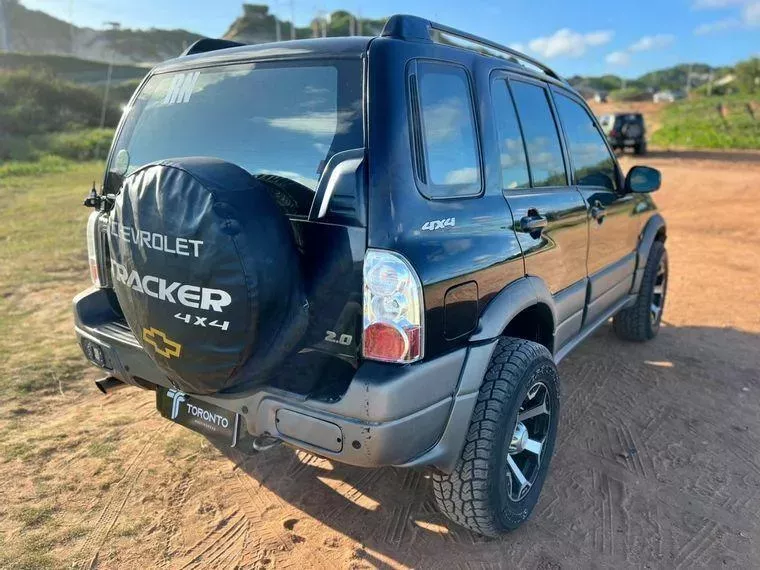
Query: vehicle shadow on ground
point(630, 441)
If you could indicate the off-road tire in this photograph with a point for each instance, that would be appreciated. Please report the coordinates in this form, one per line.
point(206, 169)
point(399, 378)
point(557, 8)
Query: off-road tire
point(640, 149)
point(473, 495)
point(634, 323)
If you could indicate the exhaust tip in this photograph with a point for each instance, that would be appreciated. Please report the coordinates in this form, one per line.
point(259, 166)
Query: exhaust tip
point(108, 384)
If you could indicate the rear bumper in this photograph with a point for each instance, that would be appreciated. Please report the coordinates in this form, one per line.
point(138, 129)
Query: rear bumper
point(390, 415)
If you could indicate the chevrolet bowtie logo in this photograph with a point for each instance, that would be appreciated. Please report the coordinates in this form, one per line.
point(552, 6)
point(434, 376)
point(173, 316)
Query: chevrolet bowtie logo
point(161, 343)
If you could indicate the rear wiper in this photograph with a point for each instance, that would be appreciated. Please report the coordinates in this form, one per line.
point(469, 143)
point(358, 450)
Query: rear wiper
point(293, 197)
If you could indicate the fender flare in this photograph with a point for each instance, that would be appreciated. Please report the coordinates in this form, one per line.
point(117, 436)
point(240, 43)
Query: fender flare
point(508, 303)
point(648, 235)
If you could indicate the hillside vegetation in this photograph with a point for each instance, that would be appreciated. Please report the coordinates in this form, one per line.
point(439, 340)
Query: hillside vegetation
point(71, 68)
point(34, 31)
point(725, 122)
point(41, 115)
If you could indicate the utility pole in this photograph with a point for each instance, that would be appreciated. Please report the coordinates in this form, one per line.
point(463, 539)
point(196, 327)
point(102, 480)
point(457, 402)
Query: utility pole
point(277, 32)
point(360, 32)
point(292, 19)
point(5, 40)
point(688, 78)
point(71, 27)
point(114, 27)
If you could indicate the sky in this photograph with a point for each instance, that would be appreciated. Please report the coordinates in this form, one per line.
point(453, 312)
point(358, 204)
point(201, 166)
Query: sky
point(587, 37)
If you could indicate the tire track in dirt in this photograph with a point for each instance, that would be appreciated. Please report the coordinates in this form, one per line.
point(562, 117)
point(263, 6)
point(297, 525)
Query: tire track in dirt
point(667, 494)
point(690, 553)
point(232, 542)
point(169, 519)
point(122, 489)
point(221, 548)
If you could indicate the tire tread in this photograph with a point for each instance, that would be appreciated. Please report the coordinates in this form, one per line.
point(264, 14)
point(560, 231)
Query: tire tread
point(633, 323)
point(463, 495)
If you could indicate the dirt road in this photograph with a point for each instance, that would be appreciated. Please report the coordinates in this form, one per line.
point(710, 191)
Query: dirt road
point(658, 463)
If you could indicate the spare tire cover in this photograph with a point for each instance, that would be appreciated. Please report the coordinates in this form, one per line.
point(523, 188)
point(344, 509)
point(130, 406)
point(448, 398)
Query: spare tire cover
point(206, 271)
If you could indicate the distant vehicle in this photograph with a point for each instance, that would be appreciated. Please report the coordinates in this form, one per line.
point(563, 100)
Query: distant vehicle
point(625, 130)
point(373, 249)
point(600, 97)
point(667, 96)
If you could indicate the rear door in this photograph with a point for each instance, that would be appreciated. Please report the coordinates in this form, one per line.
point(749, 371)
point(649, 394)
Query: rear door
point(549, 215)
point(297, 127)
point(611, 259)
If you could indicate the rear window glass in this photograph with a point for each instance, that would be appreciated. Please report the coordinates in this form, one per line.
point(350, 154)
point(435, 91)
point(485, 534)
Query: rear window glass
point(514, 166)
point(547, 166)
point(279, 121)
point(448, 131)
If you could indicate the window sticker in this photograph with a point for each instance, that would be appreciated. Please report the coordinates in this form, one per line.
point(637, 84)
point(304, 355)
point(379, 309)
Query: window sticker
point(181, 88)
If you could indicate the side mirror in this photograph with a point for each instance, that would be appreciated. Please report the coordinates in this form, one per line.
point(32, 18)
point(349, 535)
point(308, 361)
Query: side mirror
point(643, 179)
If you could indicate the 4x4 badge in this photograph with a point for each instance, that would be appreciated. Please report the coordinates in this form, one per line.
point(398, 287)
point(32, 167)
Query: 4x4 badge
point(161, 343)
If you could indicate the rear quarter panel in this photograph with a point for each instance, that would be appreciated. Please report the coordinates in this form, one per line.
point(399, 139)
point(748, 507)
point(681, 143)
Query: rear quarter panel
point(481, 246)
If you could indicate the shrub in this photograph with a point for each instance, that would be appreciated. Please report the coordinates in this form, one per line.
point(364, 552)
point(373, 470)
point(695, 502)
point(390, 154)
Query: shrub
point(711, 122)
point(80, 145)
point(36, 102)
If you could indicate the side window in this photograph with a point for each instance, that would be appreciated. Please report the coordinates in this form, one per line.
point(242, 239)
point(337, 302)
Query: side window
point(547, 167)
point(450, 148)
point(592, 162)
point(514, 165)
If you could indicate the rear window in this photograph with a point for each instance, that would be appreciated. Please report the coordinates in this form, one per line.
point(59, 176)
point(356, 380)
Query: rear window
point(628, 120)
point(447, 123)
point(279, 121)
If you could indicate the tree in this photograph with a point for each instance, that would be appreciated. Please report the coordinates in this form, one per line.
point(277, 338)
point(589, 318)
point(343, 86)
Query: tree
point(748, 75)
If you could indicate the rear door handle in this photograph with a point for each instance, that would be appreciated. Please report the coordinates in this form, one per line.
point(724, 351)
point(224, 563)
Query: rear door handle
point(533, 223)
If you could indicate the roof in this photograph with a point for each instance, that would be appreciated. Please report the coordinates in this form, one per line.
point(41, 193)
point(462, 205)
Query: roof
point(354, 46)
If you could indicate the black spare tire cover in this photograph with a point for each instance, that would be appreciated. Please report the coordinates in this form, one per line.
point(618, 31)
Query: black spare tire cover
point(206, 272)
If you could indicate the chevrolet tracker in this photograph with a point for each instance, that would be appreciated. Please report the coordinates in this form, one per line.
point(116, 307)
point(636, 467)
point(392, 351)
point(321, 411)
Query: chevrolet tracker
point(373, 249)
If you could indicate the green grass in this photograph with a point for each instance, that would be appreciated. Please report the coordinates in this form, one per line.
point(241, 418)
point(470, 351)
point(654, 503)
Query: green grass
point(32, 517)
point(699, 123)
point(42, 265)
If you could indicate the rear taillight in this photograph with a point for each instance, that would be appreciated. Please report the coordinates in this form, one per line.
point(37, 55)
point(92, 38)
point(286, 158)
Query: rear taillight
point(393, 309)
point(97, 257)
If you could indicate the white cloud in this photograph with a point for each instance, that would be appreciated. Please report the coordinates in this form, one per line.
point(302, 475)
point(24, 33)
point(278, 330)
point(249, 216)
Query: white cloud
point(709, 4)
point(751, 14)
point(647, 43)
point(717, 26)
point(462, 176)
point(747, 17)
point(566, 42)
point(618, 58)
point(598, 38)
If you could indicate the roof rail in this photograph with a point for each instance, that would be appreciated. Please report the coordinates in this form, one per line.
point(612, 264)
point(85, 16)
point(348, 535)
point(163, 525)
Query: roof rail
point(414, 28)
point(204, 45)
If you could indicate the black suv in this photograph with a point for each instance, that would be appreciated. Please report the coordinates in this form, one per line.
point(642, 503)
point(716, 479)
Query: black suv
point(373, 249)
point(625, 130)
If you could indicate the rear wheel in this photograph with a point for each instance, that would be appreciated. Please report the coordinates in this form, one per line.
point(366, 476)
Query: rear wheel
point(499, 476)
point(642, 321)
point(640, 149)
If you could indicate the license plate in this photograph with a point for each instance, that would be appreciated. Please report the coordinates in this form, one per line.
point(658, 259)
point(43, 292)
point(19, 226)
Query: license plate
point(629, 141)
point(212, 421)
